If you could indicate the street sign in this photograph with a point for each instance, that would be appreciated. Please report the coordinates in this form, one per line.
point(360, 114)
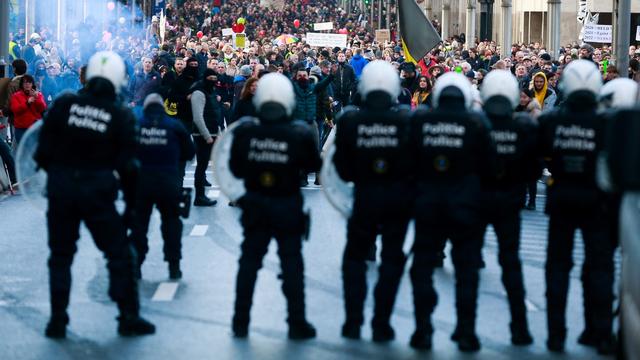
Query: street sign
point(598, 33)
point(327, 40)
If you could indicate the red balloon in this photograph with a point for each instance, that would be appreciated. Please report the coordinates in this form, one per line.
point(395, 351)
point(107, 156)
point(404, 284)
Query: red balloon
point(261, 33)
point(343, 31)
point(237, 28)
point(296, 23)
point(199, 34)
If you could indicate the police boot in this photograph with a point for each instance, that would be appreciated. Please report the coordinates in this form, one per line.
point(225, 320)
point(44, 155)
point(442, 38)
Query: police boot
point(383, 333)
point(607, 346)
point(555, 342)
point(130, 323)
point(174, 270)
point(134, 325)
point(301, 330)
point(421, 338)
point(466, 338)
point(57, 326)
point(240, 327)
point(520, 333)
point(385, 296)
point(519, 326)
point(588, 338)
point(354, 280)
point(203, 201)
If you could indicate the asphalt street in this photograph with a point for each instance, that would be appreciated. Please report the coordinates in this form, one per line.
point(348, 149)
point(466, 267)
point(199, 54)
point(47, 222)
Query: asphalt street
point(193, 315)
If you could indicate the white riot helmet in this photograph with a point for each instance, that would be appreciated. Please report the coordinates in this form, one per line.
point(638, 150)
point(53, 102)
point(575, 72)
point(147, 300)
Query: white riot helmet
point(580, 75)
point(619, 93)
point(379, 75)
point(275, 88)
point(458, 81)
point(500, 83)
point(109, 66)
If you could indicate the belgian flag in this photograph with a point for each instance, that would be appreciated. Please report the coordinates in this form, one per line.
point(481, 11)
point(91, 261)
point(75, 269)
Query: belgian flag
point(417, 34)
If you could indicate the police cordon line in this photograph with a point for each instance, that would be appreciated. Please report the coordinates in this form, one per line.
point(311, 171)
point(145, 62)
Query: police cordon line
point(450, 168)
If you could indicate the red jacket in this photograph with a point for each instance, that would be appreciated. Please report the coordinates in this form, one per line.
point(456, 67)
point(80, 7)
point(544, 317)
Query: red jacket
point(24, 114)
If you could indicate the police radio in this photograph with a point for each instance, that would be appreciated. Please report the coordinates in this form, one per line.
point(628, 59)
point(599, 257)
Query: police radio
point(184, 206)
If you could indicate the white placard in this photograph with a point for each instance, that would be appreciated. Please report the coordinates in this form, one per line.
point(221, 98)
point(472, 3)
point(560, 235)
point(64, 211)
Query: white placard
point(327, 40)
point(227, 32)
point(323, 26)
point(638, 33)
point(598, 33)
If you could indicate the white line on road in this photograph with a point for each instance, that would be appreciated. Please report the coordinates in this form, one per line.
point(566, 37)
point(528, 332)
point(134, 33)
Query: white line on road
point(193, 172)
point(199, 230)
point(213, 193)
point(166, 291)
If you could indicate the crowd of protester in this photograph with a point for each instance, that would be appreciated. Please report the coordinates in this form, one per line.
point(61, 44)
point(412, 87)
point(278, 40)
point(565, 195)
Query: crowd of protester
point(325, 79)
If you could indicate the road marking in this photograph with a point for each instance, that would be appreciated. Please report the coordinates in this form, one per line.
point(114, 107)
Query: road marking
point(189, 179)
point(213, 193)
point(193, 172)
point(166, 291)
point(530, 306)
point(199, 230)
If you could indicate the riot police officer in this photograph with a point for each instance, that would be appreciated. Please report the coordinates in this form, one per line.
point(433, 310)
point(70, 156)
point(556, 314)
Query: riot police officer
point(269, 156)
point(515, 136)
point(453, 152)
point(570, 138)
point(84, 139)
point(163, 144)
point(372, 152)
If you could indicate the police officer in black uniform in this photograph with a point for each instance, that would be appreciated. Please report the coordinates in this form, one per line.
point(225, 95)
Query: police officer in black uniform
point(85, 138)
point(570, 140)
point(163, 144)
point(515, 136)
point(269, 157)
point(372, 152)
point(453, 152)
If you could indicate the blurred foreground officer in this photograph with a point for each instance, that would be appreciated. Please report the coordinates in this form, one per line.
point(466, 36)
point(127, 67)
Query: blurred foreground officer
point(84, 139)
point(164, 143)
point(452, 148)
point(515, 136)
point(372, 152)
point(269, 157)
point(570, 139)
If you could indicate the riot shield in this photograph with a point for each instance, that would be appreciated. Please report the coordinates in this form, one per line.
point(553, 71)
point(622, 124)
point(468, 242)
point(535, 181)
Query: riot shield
point(230, 185)
point(32, 181)
point(338, 191)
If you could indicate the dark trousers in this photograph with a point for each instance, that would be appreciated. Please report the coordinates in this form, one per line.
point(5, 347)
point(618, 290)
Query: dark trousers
point(502, 211)
point(378, 209)
point(203, 155)
point(7, 159)
point(597, 272)
point(19, 133)
point(163, 191)
point(447, 212)
point(88, 197)
point(263, 218)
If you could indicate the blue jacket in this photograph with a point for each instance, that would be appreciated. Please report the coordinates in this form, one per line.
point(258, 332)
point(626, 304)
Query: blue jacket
point(358, 63)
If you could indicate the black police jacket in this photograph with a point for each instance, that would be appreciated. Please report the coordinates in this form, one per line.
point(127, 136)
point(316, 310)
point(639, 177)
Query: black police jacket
point(450, 144)
point(163, 142)
point(517, 159)
point(373, 146)
point(570, 139)
point(87, 132)
point(270, 157)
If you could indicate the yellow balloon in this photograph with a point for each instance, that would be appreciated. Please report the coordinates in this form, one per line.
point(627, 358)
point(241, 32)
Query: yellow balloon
point(241, 21)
